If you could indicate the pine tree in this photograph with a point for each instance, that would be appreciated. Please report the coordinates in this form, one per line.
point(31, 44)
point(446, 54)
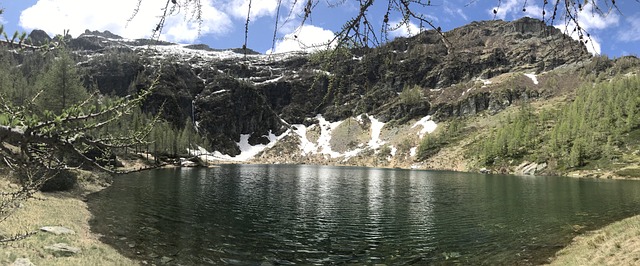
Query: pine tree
point(61, 85)
point(577, 154)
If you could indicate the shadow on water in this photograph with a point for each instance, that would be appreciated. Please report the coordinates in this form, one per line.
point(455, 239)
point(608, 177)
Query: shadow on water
point(281, 215)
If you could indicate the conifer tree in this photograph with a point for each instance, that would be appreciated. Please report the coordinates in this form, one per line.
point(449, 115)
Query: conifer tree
point(61, 85)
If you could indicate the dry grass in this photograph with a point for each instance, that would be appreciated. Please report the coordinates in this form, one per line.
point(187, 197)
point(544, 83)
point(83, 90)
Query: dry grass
point(57, 209)
point(615, 244)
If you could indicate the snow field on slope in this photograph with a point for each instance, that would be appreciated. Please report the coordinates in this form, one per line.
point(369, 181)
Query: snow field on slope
point(322, 145)
point(533, 77)
point(428, 126)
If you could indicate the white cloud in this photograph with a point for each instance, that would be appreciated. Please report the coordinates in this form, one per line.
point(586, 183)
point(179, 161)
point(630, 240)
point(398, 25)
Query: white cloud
point(307, 38)
point(54, 16)
point(259, 8)
point(591, 23)
point(514, 9)
point(533, 11)
point(290, 18)
point(455, 12)
point(403, 30)
point(631, 33)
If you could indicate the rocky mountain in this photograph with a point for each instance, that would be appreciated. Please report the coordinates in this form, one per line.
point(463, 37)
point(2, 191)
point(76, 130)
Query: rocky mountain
point(363, 106)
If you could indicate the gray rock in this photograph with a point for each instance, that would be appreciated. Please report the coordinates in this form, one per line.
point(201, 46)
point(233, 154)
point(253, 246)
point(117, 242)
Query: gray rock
point(22, 262)
point(165, 260)
point(528, 168)
point(62, 250)
point(484, 170)
point(541, 167)
point(187, 163)
point(58, 230)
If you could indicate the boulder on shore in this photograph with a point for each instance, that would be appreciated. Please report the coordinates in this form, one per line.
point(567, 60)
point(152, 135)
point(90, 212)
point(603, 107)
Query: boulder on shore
point(58, 230)
point(22, 262)
point(529, 168)
point(62, 250)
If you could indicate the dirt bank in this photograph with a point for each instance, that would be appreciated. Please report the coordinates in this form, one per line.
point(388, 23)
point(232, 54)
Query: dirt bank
point(66, 209)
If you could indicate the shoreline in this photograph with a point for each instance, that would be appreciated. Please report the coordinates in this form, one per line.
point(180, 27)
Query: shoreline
point(614, 244)
point(67, 209)
point(607, 242)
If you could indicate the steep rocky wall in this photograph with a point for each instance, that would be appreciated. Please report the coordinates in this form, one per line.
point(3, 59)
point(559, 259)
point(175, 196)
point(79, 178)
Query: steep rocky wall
point(236, 94)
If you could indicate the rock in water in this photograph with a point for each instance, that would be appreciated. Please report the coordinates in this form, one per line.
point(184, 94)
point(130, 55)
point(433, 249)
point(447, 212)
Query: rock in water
point(62, 250)
point(58, 230)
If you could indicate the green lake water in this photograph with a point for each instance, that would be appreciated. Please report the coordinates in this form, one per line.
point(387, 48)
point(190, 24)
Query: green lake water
point(319, 215)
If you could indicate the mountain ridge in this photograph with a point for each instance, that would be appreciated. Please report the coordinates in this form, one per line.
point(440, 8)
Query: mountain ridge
point(362, 105)
point(294, 88)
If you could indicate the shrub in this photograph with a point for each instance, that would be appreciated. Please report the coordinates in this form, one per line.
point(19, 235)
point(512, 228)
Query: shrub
point(64, 180)
point(411, 96)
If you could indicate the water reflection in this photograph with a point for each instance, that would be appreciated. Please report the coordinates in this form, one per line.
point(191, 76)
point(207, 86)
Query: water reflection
point(254, 214)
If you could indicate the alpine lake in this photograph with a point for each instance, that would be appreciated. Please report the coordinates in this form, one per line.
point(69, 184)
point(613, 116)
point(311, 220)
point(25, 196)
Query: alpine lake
point(322, 215)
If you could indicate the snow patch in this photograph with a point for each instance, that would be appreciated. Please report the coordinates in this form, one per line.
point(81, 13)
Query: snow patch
point(484, 81)
point(533, 77)
point(428, 126)
point(326, 128)
point(376, 129)
point(247, 151)
point(352, 153)
point(306, 146)
point(323, 145)
point(327, 73)
point(467, 91)
point(392, 154)
point(413, 151)
point(269, 81)
point(394, 150)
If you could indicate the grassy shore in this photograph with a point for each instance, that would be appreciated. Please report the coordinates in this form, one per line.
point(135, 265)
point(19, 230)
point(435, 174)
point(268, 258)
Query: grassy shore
point(615, 244)
point(56, 209)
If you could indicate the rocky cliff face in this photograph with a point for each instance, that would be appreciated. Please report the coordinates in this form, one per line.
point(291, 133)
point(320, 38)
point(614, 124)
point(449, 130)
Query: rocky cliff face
point(232, 93)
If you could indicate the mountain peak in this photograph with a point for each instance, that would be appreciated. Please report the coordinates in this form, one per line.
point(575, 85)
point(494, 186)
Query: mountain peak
point(39, 37)
point(105, 34)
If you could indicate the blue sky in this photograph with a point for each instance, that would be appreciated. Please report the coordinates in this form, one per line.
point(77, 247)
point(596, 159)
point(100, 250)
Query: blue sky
point(616, 34)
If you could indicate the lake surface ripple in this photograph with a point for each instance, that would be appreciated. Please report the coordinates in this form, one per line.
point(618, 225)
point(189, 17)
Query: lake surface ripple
point(306, 215)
